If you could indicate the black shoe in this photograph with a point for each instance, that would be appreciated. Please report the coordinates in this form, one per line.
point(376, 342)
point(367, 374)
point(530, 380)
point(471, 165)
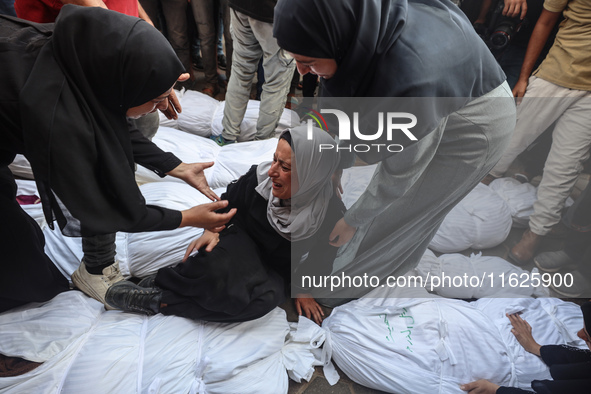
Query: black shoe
point(198, 63)
point(222, 62)
point(148, 282)
point(130, 297)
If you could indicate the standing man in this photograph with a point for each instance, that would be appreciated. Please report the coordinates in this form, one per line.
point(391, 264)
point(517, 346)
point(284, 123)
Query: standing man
point(558, 91)
point(252, 32)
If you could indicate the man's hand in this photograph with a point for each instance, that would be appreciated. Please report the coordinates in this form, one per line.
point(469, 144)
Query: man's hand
point(204, 216)
point(514, 8)
point(522, 331)
point(519, 90)
point(341, 233)
point(307, 305)
point(207, 239)
point(174, 105)
point(481, 386)
point(193, 175)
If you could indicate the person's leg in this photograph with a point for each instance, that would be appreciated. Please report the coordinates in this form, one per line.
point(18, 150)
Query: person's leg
point(245, 58)
point(203, 10)
point(229, 43)
point(175, 13)
point(28, 275)
point(570, 148)
point(278, 67)
point(152, 8)
point(543, 103)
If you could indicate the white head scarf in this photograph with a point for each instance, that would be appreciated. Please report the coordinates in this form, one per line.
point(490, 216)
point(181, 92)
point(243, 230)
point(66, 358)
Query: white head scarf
point(301, 216)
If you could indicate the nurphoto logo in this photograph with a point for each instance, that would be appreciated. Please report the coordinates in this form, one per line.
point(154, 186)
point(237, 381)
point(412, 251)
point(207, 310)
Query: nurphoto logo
point(395, 122)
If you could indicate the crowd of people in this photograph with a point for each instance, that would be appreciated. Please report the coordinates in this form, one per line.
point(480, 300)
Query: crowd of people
point(82, 84)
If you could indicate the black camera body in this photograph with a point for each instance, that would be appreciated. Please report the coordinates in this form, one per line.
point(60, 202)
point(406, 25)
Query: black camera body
point(499, 30)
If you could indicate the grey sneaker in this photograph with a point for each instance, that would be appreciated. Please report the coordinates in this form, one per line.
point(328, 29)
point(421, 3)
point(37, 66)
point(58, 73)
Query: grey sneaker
point(580, 287)
point(129, 297)
point(96, 286)
point(554, 261)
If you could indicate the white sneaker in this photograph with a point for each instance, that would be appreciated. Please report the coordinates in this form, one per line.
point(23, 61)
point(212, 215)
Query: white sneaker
point(96, 286)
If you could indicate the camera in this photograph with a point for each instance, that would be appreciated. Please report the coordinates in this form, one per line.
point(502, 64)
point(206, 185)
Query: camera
point(499, 29)
point(503, 28)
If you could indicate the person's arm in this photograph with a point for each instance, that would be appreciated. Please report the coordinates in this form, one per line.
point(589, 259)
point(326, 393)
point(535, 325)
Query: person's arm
point(143, 14)
point(536, 43)
point(86, 3)
point(149, 155)
point(484, 7)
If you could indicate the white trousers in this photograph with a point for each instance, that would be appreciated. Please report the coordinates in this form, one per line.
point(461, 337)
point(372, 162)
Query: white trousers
point(544, 103)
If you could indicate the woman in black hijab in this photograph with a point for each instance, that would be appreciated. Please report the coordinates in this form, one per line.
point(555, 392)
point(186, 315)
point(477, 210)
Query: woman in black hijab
point(418, 56)
point(66, 91)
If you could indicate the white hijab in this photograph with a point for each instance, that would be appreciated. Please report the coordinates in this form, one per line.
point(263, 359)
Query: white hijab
point(301, 216)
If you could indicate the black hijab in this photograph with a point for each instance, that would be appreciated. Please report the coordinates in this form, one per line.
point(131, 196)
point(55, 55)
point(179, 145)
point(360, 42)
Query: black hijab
point(97, 65)
point(392, 48)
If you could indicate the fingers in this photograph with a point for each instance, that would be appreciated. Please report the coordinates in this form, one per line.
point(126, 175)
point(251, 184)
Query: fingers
point(192, 247)
point(298, 307)
point(210, 194)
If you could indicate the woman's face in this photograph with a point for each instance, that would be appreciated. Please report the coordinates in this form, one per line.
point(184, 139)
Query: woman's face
point(283, 173)
point(325, 68)
point(160, 102)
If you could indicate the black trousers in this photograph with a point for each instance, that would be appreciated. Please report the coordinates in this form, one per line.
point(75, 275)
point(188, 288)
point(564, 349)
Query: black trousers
point(229, 284)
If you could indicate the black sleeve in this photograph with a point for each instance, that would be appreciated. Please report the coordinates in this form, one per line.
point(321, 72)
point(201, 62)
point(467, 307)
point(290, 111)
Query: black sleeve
point(149, 155)
point(512, 390)
point(158, 219)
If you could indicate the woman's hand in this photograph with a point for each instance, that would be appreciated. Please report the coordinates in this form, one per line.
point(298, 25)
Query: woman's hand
point(174, 105)
point(193, 175)
point(207, 239)
point(307, 305)
point(341, 233)
point(514, 8)
point(205, 216)
point(481, 386)
point(522, 331)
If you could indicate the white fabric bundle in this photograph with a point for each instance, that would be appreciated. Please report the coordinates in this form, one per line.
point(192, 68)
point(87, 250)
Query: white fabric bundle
point(488, 276)
point(202, 115)
point(248, 127)
point(142, 254)
point(415, 345)
point(189, 148)
point(355, 181)
point(231, 161)
point(520, 198)
point(86, 349)
point(235, 160)
point(139, 254)
point(20, 166)
point(432, 345)
point(197, 115)
point(553, 322)
point(481, 220)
